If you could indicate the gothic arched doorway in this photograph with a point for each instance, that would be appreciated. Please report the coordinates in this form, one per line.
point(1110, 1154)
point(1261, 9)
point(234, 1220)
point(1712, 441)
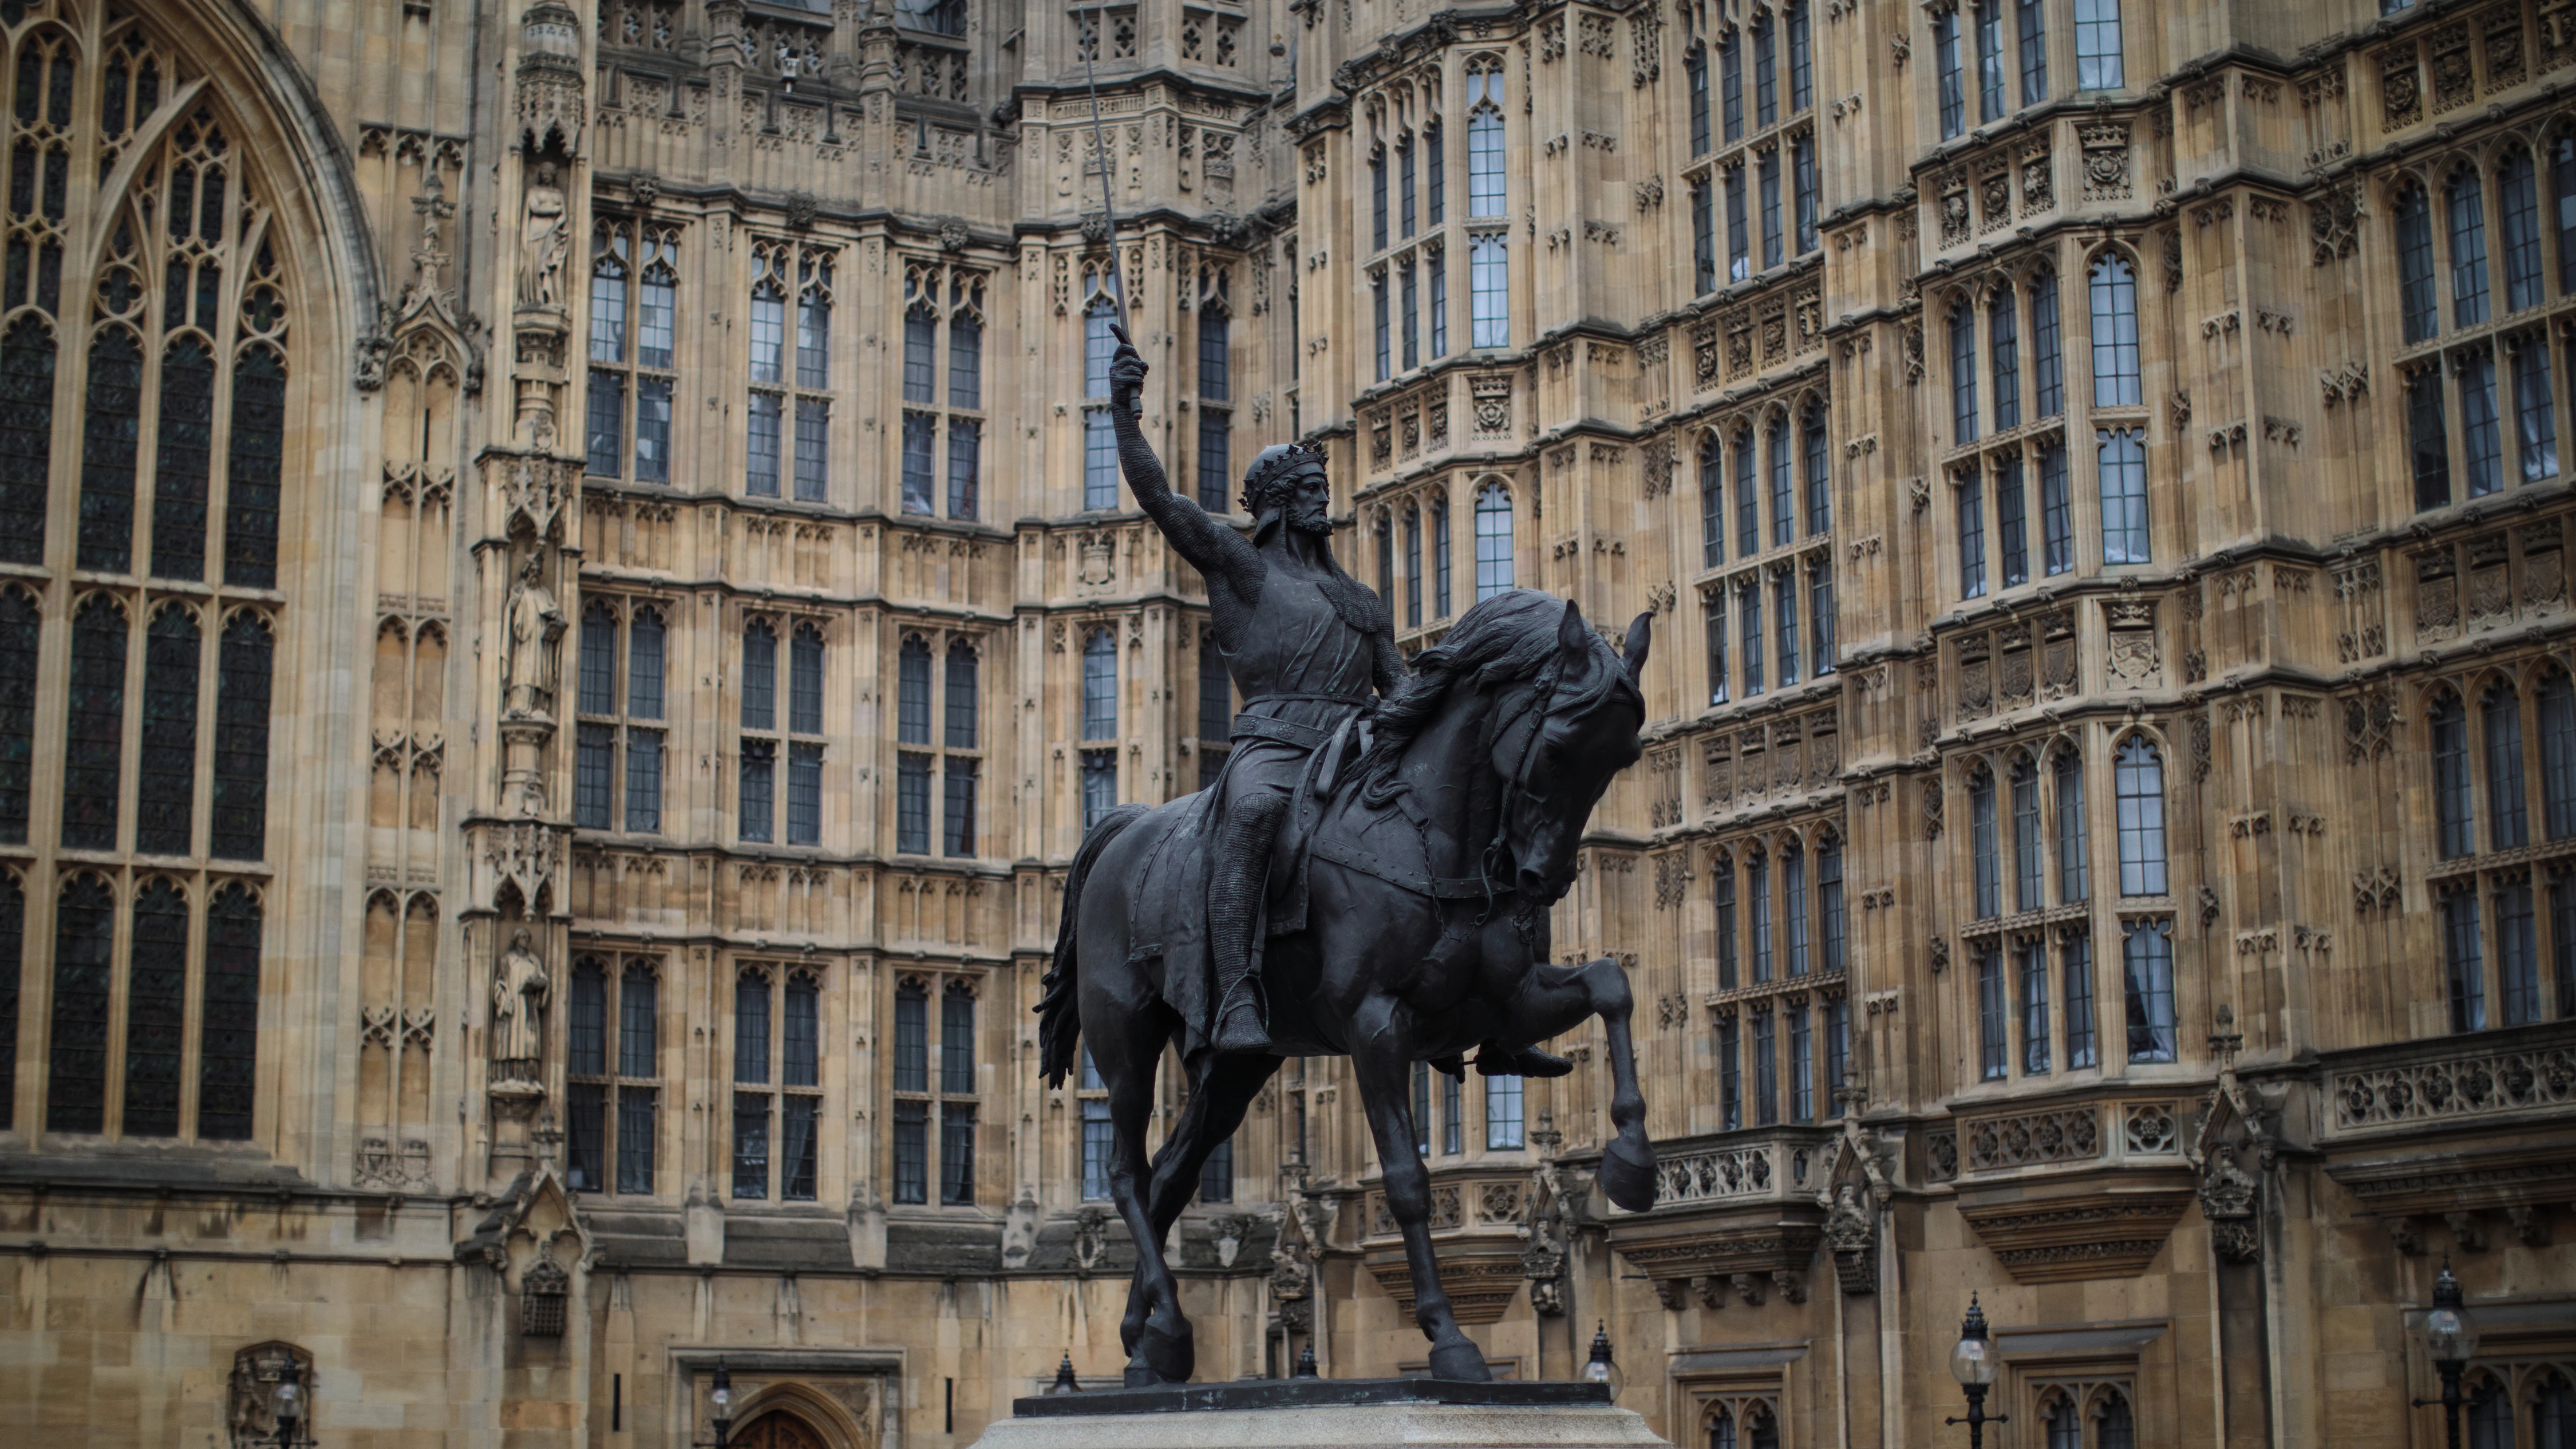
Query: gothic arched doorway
point(777, 1429)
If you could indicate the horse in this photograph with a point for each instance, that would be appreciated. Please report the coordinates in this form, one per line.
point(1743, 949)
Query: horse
point(1430, 869)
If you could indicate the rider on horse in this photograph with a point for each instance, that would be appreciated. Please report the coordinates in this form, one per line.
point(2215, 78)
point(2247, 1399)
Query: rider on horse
point(1306, 644)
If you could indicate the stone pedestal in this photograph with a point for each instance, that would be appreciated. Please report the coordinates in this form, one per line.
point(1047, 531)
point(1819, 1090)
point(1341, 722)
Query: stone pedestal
point(1327, 1414)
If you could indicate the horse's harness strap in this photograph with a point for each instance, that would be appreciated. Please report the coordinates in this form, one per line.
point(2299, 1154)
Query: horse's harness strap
point(1438, 887)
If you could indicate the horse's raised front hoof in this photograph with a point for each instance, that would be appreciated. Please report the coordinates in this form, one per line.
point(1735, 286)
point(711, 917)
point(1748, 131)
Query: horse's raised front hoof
point(1628, 1173)
point(1161, 1357)
point(1460, 1359)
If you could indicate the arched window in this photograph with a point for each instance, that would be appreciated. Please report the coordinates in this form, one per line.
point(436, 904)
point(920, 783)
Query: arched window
point(1721, 872)
point(2115, 333)
point(1216, 420)
point(2490, 1413)
point(1695, 71)
point(644, 646)
point(1748, 503)
point(2025, 831)
point(1721, 1430)
point(2562, 194)
point(1100, 686)
point(1503, 1123)
point(95, 716)
point(2139, 782)
point(962, 695)
point(1440, 548)
point(1793, 904)
point(2454, 815)
point(1712, 502)
point(760, 675)
point(912, 692)
point(1963, 372)
point(1412, 566)
point(1783, 470)
point(2117, 1431)
point(1983, 853)
point(156, 989)
point(2067, 784)
point(243, 670)
point(768, 406)
point(2558, 761)
point(2047, 355)
point(1099, 435)
point(2415, 265)
point(2553, 1413)
point(2518, 207)
point(1757, 896)
point(1493, 540)
point(1994, 1023)
point(111, 418)
point(1819, 471)
point(1384, 535)
point(2065, 1424)
point(2463, 960)
point(805, 680)
point(598, 685)
point(227, 1054)
point(2003, 353)
point(1730, 68)
point(1484, 139)
point(1829, 901)
point(2465, 199)
point(166, 771)
point(2508, 808)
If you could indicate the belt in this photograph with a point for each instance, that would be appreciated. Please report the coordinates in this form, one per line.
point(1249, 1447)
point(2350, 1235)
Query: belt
point(1287, 732)
point(1355, 701)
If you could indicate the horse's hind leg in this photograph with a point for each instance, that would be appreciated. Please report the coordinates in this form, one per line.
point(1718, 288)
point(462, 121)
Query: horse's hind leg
point(1215, 1109)
point(1158, 1341)
point(1382, 1059)
point(1551, 1000)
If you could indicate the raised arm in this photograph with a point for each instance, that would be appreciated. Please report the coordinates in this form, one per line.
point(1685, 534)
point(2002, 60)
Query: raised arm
point(1214, 549)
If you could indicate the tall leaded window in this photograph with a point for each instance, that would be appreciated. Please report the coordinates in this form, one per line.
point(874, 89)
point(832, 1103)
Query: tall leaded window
point(1953, 99)
point(1963, 372)
point(2121, 464)
point(1784, 523)
point(1784, 612)
point(2517, 953)
point(1766, 169)
point(2012, 524)
point(1748, 502)
point(1503, 1124)
point(1216, 416)
point(1381, 317)
point(1802, 57)
point(2518, 207)
point(613, 1073)
point(634, 315)
point(2535, 413)
point(2066, 788)
point(2027, 856)
point(2138, 777)
point(2146, 958)
point(13, 967)
point(1816, 464)
point(1099, 438)
point(2508, 804)
point(1969, 496)
point(1721, 870)
point(2463, 961)
point(1757, 898)
point(1216, 710)
point(2075, 969)
point(1099, 724)
point(1983, 848)
point(2558, 758)
point(1712, 501)
point(2428, 448)
point(2481, 431)
point(1412, 566)
point(2097, 46)
point(1820, 611)
point(2454, 814)
point(1493, 540)
point(1713, 625)
point(1484, 137)
point(2031, 25)
point(2056, 511)
point(1803, 187)
point(2003, 352)
point(1695, 72)
point(2465, 200)
point(1489, 291)
point(1834, 926)
point(1703, 213)
point(1793, 905)
point(1730, 67)
point(2415, 265)
point(777, 1094)
point(2030, 966)
point(1994, 1023)
point(2115, 333)
point(1748, 615)
point(2047, 353)
point(1990, 60)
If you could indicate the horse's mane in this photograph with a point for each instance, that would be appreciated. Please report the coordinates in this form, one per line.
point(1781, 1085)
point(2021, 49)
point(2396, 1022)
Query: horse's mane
point(1510, 636)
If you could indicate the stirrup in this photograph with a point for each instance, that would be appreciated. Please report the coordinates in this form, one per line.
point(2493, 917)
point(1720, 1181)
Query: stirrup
point(1238, 1025)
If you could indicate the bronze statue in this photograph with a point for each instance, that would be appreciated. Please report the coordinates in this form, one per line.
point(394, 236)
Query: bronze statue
point(1385, 901)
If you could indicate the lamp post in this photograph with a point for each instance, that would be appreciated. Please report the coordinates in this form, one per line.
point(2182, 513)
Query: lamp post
point(720, 1399)
point(2450, 1340)
point(1972, 1363)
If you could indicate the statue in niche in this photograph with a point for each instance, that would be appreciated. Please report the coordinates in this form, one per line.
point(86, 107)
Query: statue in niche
point(536, 623)
point(519, 989)
point(543, 241)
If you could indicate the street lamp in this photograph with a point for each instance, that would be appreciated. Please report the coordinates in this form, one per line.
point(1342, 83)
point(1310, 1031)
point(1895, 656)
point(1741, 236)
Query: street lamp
point(2451, 1340)
point(720, 1398)
point(1972, 1363)
point(1599, 1368)
point(291, 1411)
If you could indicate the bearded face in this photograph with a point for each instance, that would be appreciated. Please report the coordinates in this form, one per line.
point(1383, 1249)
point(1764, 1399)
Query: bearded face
point(1309, 500)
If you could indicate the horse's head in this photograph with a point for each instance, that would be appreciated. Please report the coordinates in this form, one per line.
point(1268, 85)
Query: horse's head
point(1573, 727)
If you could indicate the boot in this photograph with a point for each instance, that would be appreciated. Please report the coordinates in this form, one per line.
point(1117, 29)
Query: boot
point(1241, 870)
point(1494, 1059)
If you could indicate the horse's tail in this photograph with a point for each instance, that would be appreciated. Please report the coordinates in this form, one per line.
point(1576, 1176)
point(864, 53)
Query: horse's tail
point(1059, 1024)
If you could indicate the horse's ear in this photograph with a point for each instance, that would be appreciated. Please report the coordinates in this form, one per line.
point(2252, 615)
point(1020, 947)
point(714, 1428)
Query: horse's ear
point(1573, 636)
point(1641, 640)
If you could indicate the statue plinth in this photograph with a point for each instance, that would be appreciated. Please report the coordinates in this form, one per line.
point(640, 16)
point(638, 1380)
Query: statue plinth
point(1327, 1414)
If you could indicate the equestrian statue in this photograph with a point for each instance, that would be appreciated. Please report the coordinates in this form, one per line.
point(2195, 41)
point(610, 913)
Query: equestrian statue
point(1370, 874)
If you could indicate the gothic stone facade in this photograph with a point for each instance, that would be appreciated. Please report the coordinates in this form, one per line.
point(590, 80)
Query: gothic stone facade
point(560, 617)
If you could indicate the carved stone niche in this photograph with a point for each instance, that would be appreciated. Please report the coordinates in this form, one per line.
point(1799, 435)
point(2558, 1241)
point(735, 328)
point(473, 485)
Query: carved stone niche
point(251, 1400)
point(2103, 1224)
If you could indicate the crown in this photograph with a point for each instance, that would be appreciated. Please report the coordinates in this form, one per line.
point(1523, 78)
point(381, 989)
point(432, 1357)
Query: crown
point(1273, 465)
